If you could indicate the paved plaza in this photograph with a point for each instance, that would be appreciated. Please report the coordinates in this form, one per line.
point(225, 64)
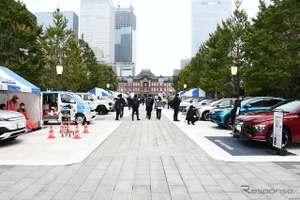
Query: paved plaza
point(147, 159)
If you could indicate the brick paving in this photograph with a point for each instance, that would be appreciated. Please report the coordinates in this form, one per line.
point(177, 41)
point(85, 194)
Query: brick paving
point(151, 159)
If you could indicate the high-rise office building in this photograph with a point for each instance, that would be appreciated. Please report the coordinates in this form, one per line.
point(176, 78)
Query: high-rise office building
point(125, 41)
point(45, 19)
point(97, 20)
point(206, 14)
point(125, 35)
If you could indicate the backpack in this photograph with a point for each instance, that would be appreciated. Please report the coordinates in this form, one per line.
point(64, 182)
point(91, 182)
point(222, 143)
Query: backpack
point(149, 102)
point(135, 103)
point(118, 104)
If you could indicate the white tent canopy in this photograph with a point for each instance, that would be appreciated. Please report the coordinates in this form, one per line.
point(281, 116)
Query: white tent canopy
point(99, 92)
point(196, 92)
point(29, 94)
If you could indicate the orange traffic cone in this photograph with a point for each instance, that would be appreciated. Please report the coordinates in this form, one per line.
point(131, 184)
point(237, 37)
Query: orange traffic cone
point(76, 129)
point(85, 128)
point(61, 128)
point(51, 134)
point(77, 135)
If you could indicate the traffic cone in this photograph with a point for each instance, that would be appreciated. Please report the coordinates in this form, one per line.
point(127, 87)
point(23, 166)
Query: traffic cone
point(85, 128)
point(61, 128)
point(76, 130)
point(77, 135)
point(51, 134)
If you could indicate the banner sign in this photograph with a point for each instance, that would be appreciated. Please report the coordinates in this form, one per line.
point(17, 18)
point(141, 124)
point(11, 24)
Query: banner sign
point(277, 129)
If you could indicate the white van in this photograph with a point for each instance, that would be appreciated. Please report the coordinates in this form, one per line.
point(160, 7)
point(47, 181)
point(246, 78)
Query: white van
point(101, 106)
point(56, 101)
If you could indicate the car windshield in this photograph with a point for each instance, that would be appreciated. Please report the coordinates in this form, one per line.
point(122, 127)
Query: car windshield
point(215, 102)
point(208, 101)
point(78, 98)
point(286, 106)
point(188, 100)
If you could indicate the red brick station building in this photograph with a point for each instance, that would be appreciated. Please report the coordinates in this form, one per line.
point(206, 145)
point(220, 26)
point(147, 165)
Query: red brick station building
point(146, 83)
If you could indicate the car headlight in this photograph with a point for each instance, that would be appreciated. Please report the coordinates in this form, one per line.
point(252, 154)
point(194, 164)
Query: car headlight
point(260, 127)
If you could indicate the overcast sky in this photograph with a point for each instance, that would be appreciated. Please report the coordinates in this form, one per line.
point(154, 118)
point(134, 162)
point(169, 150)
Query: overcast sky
point(163, 29)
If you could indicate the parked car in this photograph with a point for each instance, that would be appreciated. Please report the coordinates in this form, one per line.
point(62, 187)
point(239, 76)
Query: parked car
point(222, 116)
point(101, 105)
point(204, 110)
point(259, 125)
point(12, 124)
point(196, 102)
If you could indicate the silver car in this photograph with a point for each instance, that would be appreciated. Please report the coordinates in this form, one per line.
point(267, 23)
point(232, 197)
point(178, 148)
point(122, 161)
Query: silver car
point(12, 124)
point(204, 110)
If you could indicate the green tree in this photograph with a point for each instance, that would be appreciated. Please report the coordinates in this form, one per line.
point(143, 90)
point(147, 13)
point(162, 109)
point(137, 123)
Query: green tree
point(61, 48)
point(19, 50)
point(210, 68)
point(99, 74)
point(272, 46)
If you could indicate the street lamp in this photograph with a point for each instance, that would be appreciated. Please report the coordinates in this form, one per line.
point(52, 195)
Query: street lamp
point(107, 86)
point(234, 70)
point(59, 71)
point(184, 86)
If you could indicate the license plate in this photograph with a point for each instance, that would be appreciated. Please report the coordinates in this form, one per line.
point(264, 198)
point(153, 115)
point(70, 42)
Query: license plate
point(21, 125)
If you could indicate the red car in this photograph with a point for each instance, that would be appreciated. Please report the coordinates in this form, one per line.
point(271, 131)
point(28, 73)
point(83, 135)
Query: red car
point(259, 125)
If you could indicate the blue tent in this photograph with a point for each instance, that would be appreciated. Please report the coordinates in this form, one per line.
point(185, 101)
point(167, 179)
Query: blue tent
point(13, 84)
point(11, 81)
point(111, 92)
point(99, 92)
point(181, 93)
point(196, 92)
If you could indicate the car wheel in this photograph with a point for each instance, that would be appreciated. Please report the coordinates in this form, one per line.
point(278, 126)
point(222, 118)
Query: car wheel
point(286, 138)
point(102, 111)
point(80, 119)
point(205, 116)
point(228, 122)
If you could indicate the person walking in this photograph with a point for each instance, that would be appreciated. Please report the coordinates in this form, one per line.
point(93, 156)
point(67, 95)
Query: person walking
point(149, 105)
point(168, 101)
point(135, 104)
point(176, 102)
point(191, 115)
point(158, 107)
point(129, 101)
point(122, 105)
point(13, 103)
point(235, 112)
point(118, 106)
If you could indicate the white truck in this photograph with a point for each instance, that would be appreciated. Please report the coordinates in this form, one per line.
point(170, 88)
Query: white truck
point(101, 105)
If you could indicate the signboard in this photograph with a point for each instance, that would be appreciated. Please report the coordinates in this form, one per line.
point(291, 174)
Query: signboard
point(277, 129)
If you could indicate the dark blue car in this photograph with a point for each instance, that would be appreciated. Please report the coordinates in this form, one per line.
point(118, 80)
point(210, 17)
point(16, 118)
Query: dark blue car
point(222, 116)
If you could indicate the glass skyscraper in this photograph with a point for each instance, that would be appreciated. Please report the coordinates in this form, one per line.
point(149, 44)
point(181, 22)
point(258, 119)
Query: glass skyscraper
point(125, 42)
point(45, 19)
point(206, 14)
point(125, 35)
point(97, 19)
